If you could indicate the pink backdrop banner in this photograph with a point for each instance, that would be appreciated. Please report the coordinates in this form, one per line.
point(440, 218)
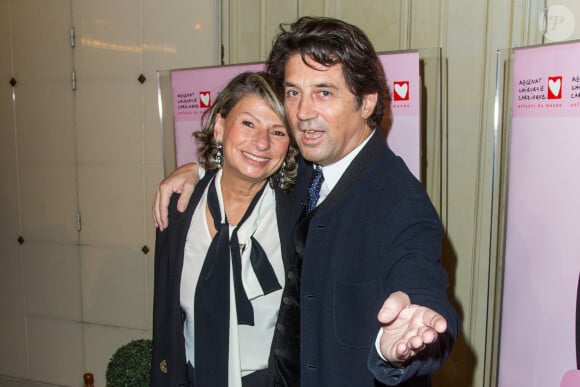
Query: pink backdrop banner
point(542, 252)
point(193, 91)
point(404, 138)
point(550, 84)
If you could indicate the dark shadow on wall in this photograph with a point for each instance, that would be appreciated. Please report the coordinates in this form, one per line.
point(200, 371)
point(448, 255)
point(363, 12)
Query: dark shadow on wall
point(459, 369)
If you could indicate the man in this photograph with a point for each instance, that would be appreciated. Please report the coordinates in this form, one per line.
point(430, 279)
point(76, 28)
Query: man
point(373, 235)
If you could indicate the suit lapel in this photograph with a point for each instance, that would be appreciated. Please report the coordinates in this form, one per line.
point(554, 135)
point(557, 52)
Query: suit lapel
point(358, 167)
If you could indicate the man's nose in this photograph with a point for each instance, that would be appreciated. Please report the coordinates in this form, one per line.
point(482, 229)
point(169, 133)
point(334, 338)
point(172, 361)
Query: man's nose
point(306, 108)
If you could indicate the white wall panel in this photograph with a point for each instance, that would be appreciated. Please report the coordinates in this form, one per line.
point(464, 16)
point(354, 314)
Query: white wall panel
point(111, 218)
point(380, 21)
point(108, 39)
point(55, 351)
point(246, 41)
point(114, 289)
point(66, 306)
point(13, 361)
point(51, 279)
point(41, 49)
point(109, 122)
point(180, 34)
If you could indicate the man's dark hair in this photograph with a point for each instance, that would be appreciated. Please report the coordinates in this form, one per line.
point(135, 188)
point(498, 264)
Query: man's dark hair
point(328, 42)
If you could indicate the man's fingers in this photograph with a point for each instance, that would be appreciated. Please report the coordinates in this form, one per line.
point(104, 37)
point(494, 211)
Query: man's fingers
point(184, 197)
point(426, 336)
point(161, 205)
point(156, 214)
point(163, 209)
point(440, 324)
point(402, 351)
point(392, 306)
point(181, 181)
point(435, 321)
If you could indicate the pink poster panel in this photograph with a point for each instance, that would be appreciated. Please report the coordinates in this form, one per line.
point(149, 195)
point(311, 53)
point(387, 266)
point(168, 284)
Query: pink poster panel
point(193, 90)
point(542, 252)
point(404, 138)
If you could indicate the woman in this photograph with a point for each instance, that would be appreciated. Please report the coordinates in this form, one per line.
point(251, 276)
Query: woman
point(219, 271)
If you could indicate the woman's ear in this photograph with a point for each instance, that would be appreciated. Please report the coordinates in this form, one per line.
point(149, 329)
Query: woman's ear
point(218, 128)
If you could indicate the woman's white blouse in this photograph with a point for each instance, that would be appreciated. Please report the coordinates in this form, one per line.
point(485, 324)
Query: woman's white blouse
point(249, 346)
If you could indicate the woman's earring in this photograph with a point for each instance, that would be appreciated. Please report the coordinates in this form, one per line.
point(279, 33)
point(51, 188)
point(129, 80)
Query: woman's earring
point(219, 155)
point(282, 178)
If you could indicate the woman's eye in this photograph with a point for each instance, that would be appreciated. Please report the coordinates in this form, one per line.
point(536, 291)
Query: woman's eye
point(248, 123)
point(278, 133)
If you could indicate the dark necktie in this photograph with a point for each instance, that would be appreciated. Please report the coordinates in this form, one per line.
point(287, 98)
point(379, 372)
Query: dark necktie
point(212, 295)
point(314, 189)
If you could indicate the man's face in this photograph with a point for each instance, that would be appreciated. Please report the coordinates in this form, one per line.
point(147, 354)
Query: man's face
point(321, 111)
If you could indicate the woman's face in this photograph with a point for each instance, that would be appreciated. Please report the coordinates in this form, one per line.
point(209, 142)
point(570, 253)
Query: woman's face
point(254, 138)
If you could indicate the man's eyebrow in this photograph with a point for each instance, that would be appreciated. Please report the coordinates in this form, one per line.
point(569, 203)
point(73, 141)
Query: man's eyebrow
point(317, 85)
point(326, 85)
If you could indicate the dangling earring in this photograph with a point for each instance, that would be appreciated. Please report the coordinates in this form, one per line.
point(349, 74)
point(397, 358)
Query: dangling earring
point(281, 177)
point(219, 155)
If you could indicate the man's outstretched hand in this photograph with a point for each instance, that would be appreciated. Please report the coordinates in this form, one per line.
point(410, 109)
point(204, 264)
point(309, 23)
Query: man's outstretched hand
point(407, 328)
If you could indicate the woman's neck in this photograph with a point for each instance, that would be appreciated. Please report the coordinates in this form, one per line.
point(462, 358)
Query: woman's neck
point(237, 196)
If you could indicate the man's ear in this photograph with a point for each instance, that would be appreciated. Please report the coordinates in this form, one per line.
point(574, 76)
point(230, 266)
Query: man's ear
point(218, 128)
point(369, 102)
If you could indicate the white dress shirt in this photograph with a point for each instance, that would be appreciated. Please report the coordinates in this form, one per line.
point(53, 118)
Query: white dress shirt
point(333, 172)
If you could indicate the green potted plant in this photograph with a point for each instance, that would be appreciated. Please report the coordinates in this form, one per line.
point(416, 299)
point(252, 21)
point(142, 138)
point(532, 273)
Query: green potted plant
point(129, 366)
